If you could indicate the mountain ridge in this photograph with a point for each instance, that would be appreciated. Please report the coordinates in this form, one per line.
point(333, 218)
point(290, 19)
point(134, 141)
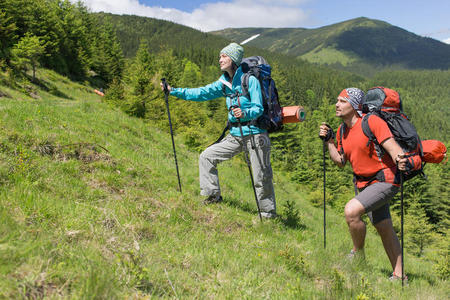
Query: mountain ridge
point(355, 45)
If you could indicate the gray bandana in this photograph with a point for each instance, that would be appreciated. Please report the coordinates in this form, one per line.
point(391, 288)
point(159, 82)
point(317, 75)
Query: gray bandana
point(354, 96)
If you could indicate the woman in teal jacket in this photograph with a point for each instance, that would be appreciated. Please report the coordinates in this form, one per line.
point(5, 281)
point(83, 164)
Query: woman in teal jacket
point(245, 108)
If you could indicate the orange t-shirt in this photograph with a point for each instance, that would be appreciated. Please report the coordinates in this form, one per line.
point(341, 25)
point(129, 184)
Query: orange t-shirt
point(363, 158)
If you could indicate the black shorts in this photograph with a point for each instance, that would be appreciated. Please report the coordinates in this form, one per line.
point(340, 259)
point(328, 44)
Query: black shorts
point(375, 199)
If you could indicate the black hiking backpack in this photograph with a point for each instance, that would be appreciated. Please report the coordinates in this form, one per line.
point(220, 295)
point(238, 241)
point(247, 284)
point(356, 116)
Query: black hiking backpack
point(271, 119)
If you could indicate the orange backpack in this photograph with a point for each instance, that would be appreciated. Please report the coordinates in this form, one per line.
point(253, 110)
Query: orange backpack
point(387, 104)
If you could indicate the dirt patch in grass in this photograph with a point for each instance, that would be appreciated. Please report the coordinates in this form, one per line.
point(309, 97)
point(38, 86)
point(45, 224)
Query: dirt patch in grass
point(230, 228)
point(203, 218)
point(110, 189)
point(146, 233)
point(4, 94)
point(109, 223)
point(85, 152)
point(38, 287)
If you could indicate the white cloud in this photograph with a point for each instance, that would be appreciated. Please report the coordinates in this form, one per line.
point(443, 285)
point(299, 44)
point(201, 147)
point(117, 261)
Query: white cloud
point(214, 16)
point(447, 41)
point(280, 2)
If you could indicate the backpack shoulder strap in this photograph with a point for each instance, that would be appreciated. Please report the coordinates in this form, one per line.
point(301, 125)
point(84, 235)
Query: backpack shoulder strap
point(244, 83)
point(372, 139)
point(224, 85)
point(341, 133)
point(366, 129)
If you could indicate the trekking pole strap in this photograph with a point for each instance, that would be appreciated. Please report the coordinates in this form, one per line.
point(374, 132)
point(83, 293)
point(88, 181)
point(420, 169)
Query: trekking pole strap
point(222, 135)
point(355, 186)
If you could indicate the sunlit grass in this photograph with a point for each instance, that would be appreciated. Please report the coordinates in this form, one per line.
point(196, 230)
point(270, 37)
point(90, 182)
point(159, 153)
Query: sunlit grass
point(89, 208)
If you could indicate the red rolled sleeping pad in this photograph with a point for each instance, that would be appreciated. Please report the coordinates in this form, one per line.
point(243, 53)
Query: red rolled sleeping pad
point(293, 114)
point(434, 151)
point(99, 93)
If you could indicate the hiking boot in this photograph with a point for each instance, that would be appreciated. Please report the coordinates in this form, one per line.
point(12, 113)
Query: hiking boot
point(395, 278)
point(358, 255)
point(269, 215)
point(213, 199)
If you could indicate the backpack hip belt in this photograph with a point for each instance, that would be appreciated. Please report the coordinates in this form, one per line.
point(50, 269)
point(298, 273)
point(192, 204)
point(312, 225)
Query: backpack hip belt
point(379, 176)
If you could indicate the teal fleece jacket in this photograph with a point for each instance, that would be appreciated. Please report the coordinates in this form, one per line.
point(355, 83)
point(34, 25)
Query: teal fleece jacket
point(252, 108)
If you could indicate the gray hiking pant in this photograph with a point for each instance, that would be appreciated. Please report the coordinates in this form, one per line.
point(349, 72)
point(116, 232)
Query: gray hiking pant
point(260, 162)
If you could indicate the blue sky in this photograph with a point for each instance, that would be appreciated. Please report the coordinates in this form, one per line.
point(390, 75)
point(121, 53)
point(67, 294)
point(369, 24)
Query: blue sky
point(427, 17)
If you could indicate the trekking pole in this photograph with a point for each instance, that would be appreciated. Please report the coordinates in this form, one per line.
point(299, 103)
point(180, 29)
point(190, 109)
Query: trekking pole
point(401, 220)
point(166, 96)
point(324, 193)
point(324, 198)
point(247, 160)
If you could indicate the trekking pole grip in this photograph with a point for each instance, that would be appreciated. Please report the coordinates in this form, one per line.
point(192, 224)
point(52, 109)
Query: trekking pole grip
point(330, 134)
point(166, 89)
point(231, 109)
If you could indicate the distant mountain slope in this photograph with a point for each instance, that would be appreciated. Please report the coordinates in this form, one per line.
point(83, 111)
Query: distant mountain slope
point(350, 44)
point(160, 34)
point(298, 82)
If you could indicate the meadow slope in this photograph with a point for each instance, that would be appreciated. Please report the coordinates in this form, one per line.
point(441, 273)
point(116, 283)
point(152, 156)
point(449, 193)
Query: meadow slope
point(89, 209)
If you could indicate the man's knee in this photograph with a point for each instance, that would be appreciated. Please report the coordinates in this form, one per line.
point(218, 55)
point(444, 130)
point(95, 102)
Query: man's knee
point(353, 210)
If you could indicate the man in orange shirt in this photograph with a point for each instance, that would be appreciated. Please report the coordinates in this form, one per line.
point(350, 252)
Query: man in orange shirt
point(375, 178)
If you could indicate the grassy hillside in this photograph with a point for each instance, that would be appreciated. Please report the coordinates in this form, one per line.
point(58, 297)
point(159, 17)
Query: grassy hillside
point(89, 208)
point(358, 45)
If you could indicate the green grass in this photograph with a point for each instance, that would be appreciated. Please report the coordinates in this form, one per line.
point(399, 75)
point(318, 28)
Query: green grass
point(89, 208)
point(329, 55)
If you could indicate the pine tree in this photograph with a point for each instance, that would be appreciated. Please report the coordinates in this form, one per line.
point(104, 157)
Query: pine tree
point(27, 53)
point(7, 35)
point(191, 75)
point(107, 57)
point(418, 232)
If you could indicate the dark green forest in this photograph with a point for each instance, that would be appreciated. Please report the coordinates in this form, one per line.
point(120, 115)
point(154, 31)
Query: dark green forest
point(128, 55)
point(58, 35)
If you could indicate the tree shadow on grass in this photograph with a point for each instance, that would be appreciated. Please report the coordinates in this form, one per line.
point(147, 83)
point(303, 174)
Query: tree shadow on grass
point(244, 206)
point(50, 88)
point(289, 218)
